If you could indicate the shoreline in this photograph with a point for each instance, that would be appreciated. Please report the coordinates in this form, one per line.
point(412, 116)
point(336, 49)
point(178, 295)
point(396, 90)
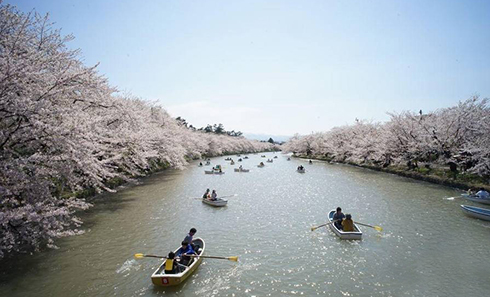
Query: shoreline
point(404, 172)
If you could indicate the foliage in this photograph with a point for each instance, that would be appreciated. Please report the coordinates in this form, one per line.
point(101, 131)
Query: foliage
point(457, 135)
point(65, 133)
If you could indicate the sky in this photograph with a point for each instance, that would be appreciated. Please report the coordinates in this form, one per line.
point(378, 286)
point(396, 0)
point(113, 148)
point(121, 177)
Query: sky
point(283, 67)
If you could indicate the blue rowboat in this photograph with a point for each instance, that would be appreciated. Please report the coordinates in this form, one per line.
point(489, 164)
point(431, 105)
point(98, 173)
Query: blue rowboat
point(475, 198)
point(476, 212)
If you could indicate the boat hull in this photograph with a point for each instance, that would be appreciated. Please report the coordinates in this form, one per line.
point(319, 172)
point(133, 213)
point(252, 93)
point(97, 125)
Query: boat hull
point(476, 199)
point(241, 170)
point(476, 212)
point(353, 235)
point(301, 170)
point(161, 279)
point(216, 203)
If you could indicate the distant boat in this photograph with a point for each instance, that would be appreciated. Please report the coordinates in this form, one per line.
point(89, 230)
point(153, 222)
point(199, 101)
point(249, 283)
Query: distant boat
point(216, 203)
point(301, 170)
point(241, 170)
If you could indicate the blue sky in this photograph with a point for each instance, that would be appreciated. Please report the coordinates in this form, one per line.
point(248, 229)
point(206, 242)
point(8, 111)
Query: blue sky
point(283, 67)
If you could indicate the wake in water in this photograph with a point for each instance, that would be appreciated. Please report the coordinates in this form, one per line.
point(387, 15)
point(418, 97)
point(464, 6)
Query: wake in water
point(128, 266)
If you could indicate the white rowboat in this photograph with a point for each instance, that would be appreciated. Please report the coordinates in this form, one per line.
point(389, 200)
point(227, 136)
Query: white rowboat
point(217, 203)
point(350, 235)
point(161, 279)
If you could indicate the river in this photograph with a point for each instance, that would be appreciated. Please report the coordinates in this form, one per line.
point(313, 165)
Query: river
point(427, 248)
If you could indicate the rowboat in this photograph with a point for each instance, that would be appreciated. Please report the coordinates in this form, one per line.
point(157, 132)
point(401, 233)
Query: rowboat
point(241, 170)
point(245, 157)
point(275, 157)
point(476, 198)
point(209, 171)
point(476, 212)
point(270, 161)
point(350, 235)
point(217, 203)
point(161, 279)
point(301, 170)
point(261, 165)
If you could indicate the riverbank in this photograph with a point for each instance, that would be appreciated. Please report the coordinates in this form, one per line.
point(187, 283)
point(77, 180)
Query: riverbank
point(433, 175)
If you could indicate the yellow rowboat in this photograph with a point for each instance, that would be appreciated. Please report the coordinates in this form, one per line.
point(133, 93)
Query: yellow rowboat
point(161, 279)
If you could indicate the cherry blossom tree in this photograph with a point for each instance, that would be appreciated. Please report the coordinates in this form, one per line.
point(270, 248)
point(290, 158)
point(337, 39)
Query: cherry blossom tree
point(64, 129)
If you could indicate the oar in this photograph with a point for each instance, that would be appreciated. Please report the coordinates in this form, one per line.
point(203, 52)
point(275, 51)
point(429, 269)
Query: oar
point(139, 256)
point(314, 228)
point(452, 198)
point(234, 195)
point(377, 228)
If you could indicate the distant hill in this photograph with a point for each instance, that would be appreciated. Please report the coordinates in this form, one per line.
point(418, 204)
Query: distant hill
point(276, 138)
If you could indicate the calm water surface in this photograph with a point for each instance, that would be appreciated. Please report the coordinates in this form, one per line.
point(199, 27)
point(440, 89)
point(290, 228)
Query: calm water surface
point(428, 247)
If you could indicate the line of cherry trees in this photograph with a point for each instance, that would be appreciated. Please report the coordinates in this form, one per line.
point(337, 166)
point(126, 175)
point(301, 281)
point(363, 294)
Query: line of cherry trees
point(64, 129)
point(457, 137)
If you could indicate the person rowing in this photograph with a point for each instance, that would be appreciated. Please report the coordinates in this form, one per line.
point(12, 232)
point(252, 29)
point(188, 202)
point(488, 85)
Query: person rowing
point(206, 194)
point(183, 252)
point(483, 194)
point(338, 217)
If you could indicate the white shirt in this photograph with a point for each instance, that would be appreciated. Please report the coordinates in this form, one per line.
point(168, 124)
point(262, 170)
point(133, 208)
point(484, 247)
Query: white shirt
point(483, 194)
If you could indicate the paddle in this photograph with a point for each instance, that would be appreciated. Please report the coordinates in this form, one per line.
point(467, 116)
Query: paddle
point(234, 258)
point(452, 198)
point(314, 228)
point(377, 228)
point(234, 195)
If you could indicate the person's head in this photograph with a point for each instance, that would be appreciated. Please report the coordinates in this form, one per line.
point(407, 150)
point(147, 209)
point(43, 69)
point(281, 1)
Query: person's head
point(482, 189)
point(339, 209)
point(214, 191)
point(348, 217)
point(171, 255)
point(207, 190)
point(192, 231)
point(185, 244)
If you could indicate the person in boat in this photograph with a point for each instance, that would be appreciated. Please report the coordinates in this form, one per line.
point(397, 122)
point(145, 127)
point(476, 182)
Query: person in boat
point(240, 167)
point(483, 194)
point(338, 217)
point(183, 252)
point(172, 266)
point(348, 223)
point(200, 163)
point(311, 162)
point(261, 163)
point(300, 167)
point(220, 170)
point(206, 194)
point(214, 195)
point(189, 237)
